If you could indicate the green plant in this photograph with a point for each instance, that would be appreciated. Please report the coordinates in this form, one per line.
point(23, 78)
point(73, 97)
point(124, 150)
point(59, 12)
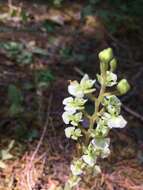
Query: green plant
point(122, 14)
point(20, 53)
point(44, 78)
point(19, 14)
point(15, 98)
point(56, 2)
point(93, 141)
point(17, 52)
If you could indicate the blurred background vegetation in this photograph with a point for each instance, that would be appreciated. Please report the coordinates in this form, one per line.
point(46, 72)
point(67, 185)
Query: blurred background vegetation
point(43, 45)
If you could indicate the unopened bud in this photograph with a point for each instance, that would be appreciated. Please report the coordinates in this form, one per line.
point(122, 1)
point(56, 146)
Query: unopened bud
point(106, 55)
point(123, 86)
point(113, 64)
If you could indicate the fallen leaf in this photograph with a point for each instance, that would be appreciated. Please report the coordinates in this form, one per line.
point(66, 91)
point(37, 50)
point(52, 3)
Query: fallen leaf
point(2, 165)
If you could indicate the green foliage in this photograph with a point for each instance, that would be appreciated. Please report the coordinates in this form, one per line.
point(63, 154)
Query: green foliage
point(120, 13)
point(31, 135)
point(18, 110)
point(66, 53)
point(44, 78)
point(39, 51)
point(24, 16)
point(15, 98)
point(25, 58)
point(12, 48)
point(56, 2)
point(50, 25)
point(20, 53)
point(19, 13)
point(24, 133)
point(17, 52)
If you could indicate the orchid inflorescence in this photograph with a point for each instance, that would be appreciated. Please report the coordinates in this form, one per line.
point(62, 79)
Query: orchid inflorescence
point(94, 143)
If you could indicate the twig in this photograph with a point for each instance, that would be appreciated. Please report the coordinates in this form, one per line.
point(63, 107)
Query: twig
point(38, 145)
point(44, 131)
point(126, 108)
point(132, 112)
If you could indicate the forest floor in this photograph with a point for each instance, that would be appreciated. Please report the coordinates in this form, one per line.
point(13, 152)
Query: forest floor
point(37, 153)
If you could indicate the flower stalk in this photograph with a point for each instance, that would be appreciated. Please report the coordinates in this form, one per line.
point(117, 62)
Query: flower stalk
point(92, 138)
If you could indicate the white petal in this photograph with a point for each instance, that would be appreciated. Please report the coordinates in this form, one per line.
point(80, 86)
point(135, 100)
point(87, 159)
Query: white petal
point(74, 89)
point(79, 115)
point(85, 77)
point(87, 83)
point(65, 117)
point(69, 109)
point(89, 160)
point(69, 131)
point(67, 100)
point(92, 82)
point(76, 171)
point(117, 122)
point(105, 153)
point(74, 123)
point(101, 143)
point(111, 78)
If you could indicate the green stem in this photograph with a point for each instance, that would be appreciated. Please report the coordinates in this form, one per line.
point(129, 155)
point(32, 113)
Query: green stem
point(97, 102)
point(112, 93)
point(100, 97)
point(86, 114)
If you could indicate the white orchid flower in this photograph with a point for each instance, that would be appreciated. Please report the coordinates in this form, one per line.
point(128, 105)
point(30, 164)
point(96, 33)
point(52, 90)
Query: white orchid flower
point(75, 89)
point(77, 167)
point(73, 104)
point(101, 146)
point(111, 79)
point(112, 104)
point(76, 170)
point(73, 119)
point(76, 134)
point(87, 84)
point(73, 133)
point(89, 160)
point(66, 117)
point(80, 89)
point(69, 131)
point(101, 143)
point(102, 129)
point(116, 122)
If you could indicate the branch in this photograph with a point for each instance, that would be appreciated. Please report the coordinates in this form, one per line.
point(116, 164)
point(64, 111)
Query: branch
point(29, 173)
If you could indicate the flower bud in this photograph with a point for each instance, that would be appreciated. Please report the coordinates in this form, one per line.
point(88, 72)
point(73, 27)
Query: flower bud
point(106, 55)
point(113, 64)
point(123, 86)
